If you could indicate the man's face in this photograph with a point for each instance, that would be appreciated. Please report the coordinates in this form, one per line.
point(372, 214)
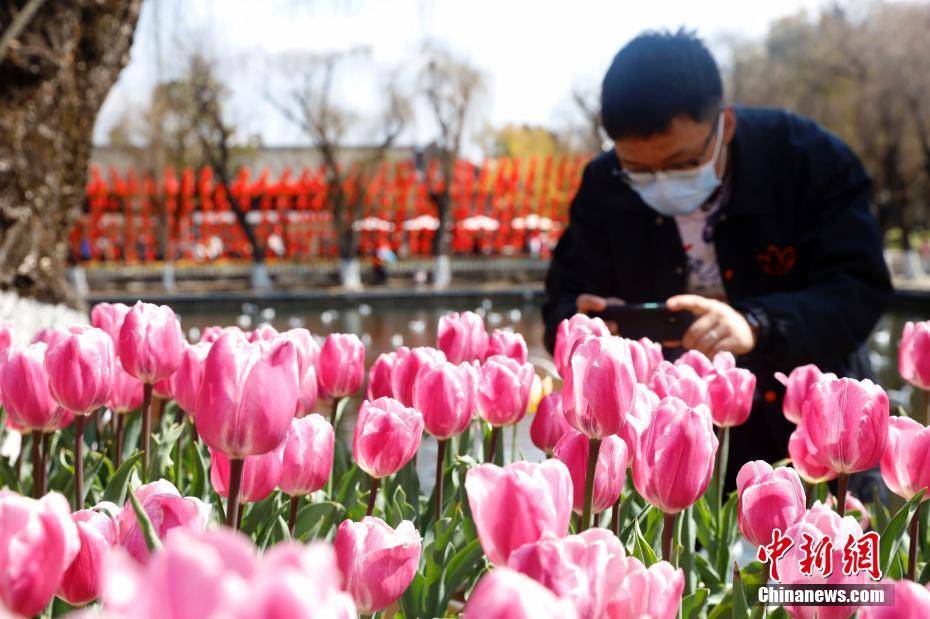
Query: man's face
point(685, 144)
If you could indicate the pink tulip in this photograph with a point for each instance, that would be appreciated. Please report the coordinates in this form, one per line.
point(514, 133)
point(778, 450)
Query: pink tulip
point(504, 593)
point(308, 456)
point(162, 388)
point(549, 423)
point(803, 460)
point(462, 337)
point(911, 601)
point(167, 510)
point(509, 344)
point(109, 317)
point(609, 476)
point(675, 457)
point(379, 377)
point(598, 390)
point(408, 363)
point(38, 541)
point(570, 333)
point(503, 391)
point(698, 362)
point(342, 364)
point(914, 354)
point(186, 381)
point(646, 356)
point(295, 580)
point(260, 474)
point(653, 592)
point(51, 336)
point(846, 423)
point(211, 334)
point(25, 393)
point(308, 351)
point(307, 392)
point(387, 435)
point(263, 333)
point(637, 420)
point(680, 381)
point(730, 393)
point(581, 569)
point(127, 392)
point(80, 370)
point(151, 342)
point(444, 394)
point(853, 506)
point(906, 460)
point(797, 384)
point(98, 532)
point(817, 522)
point(198, 574)
point(768, 499)
point(518, 504)
point(378, 562)
point(248, 396)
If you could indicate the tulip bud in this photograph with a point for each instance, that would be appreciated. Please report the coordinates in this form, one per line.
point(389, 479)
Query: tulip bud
point(598, 390)
point(408, 363)
point(461, 337)
point(263, 333)
point(906, 460)
point(379, 377)
point(653, 592)
point(609, 476)
point(697, 361)
point(50, 336)
point(308, 456)
point(570, 333)
point(187, 380)
point(127, 392)
point(645, 402)
point(444, 394)
point(378, 562)
point(914, 354)
point(646, 356)
point(730, 392)
point(504, 593)
point(25, 392)
point(307, 392)
point(680, 381)
point(769, 499)
point(509, 344)
point(342, 364)
point(98, 532)
point(675, 456)
point(549, 423)
point(804, 461)
point(37, 544)
point(248, 395)
point(503, 391)
point(109, 317)
point(854, 507)
point(797, 384)
point(260, 474)
point(80, 370)
point(151, 342)
point(166, 509)
point(387, 435)
point(911, 601)
point(847, 423)
point(518, 504)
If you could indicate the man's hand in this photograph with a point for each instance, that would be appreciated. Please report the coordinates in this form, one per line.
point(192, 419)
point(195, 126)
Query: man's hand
point(587, 303)
point(718, 327)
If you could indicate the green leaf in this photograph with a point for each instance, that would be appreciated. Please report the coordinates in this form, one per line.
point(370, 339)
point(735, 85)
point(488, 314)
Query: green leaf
point(145, 525)
point(894, 531)
point(115, 491)
point(162, 448)
point(462, 568)
point(692, 605)
point(315, 519)
point(642, 550)
point(200, 471)
point(707, 573)
point(740, 606)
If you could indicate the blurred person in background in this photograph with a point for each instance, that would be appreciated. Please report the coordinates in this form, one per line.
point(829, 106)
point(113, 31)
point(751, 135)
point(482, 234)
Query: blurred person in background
point(757, 221)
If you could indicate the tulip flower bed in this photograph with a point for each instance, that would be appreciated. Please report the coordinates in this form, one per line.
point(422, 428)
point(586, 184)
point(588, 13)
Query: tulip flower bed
point(205, 479)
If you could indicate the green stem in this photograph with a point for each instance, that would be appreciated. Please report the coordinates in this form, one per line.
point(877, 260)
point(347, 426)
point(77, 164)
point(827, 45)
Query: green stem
point(179, 461)
point(615, 517)
point(334, 414)
point(440, 469)
point(235, 483)
point(37, 472)
point(912, 551)
point(594, 448)
point(491, 451)
point(841, 481)
point(79, 421)
point(292, 517)
point(372, 495)
point(723, 438)
point(146, 428)
point(668, 536)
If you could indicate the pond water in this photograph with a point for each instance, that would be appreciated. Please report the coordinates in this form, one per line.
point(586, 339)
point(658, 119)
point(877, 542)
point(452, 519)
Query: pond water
point(384, 325)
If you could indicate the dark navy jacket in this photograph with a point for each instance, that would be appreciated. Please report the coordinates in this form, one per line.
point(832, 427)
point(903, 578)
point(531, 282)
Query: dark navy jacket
point(797, 245)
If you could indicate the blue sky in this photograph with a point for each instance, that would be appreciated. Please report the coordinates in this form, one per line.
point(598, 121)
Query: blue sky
point(533, 52)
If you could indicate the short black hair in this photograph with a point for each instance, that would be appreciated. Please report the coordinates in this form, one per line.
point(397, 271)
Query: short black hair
point(655, 77)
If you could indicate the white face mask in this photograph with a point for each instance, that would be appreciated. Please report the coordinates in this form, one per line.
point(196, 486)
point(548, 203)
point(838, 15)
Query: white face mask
point(679, 192)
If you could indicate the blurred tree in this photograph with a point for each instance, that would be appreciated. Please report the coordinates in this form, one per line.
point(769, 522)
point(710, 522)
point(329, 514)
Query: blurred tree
point(329, 125)
point(452, 88)
point(866, 77)
point(521, 141)
point(58, 61)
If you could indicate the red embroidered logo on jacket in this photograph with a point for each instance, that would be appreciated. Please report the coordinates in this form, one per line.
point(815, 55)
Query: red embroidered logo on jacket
point(777, 260)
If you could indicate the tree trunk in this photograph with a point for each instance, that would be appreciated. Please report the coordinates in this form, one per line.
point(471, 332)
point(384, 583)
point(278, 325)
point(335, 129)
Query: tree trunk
point(54, 77)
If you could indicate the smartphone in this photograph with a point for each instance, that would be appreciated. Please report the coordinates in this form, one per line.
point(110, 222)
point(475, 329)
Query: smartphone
point(652, 320)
